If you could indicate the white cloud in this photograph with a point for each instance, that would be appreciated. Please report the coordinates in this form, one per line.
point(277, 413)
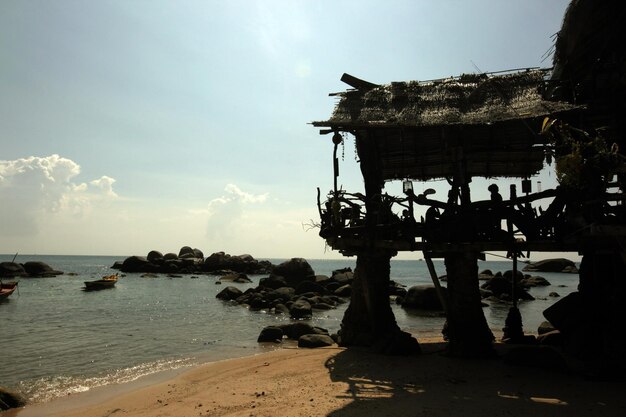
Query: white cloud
point(226, 213)
point(35, 189)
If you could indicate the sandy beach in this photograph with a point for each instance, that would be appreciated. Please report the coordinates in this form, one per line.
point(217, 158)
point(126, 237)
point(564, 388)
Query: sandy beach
point(341, 382)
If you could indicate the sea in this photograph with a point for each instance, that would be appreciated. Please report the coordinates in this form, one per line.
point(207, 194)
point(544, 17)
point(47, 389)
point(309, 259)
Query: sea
point(57, 339)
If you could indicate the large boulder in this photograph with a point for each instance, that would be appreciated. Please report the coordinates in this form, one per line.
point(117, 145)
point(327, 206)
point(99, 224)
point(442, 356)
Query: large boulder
point(552, 265)
point(315, 341)
point(188, 252)
point(229, 293)
point(295, 271)
point(272, 334)
point(137, 264)
point(501, 287)
point(297, 329)
point(236, 277)
point(423, 297)
point(237, 263)
point(301, 309)
point(273, 282)
point(40, 269)
point(11, 269)
point(155, 256)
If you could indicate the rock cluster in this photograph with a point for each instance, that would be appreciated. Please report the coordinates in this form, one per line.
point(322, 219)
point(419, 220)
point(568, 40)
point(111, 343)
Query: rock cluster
point(32, 269)
point(500, 286)
point(307, 336)
point(191, 260)
point(293, 289)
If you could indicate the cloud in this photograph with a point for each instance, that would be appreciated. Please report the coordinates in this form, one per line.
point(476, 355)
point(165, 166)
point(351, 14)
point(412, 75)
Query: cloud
point(227, 214)
point(34, 189)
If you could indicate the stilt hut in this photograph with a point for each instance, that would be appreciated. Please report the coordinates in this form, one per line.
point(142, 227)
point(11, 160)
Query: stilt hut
point(498, 125)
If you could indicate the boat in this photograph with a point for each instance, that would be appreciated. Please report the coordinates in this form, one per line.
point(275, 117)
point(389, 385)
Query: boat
point(7, 288)
point(101, 284)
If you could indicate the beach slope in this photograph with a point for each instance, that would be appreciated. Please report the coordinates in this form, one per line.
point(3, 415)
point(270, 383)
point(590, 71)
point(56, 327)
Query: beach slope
point(339, 382)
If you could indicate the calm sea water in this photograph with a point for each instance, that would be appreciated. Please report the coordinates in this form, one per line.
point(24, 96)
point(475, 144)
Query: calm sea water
point(57, 339)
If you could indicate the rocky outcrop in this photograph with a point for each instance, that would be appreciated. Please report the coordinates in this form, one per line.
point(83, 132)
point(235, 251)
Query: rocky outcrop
point(11, 269)
point(276, 296)
point(422, 297)
point(32, 269)
point(237, 263)
point(315, 341)
point(501, 287)
point(191, 261)
point(296, 331)
point(552, 265)
point(295, 271)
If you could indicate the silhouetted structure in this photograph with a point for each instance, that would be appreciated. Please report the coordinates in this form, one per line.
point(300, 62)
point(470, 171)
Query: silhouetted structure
point(503, 125)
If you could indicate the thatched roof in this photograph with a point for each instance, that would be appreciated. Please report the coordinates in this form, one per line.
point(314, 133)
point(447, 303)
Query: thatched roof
point(487, 124)
point(466, 100)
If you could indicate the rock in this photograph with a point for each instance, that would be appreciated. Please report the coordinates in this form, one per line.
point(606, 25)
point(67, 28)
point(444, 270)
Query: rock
point(40, 269)
point(240, 263)
point(501, 287)
point(282, 294)
point(545, 327)
point(554, 294)
point(309, 286)
point(300, 309)
point(343, 276)
point(343, 291)
point(280, 308)
point(11, 269)
point(272, 334)
point(136, 264)
point(186, 252)
point(534, 281)
point(315, 341)
point(423, 297)
point(273, 282)
point(295, 271)
point(117, 265)
point(552, 265)
point(567, 313)
point(229, 293)
point(10, 399)
point(155, 257)
point(295, 330)
point(322, 306)
point(170, 256)
point(239, 278)
point(553, 338)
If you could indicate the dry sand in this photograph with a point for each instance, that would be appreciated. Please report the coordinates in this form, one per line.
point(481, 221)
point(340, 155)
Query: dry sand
point(338, 382)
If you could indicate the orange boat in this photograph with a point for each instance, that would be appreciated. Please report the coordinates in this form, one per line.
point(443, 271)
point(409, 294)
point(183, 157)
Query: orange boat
point(101, 284)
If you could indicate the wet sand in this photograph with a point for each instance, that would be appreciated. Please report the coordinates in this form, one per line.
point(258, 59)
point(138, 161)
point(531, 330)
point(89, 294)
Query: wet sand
point(340, 382)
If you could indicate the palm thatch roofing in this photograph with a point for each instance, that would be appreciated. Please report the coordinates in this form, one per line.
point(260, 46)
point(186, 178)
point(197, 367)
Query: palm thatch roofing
point(486, 124)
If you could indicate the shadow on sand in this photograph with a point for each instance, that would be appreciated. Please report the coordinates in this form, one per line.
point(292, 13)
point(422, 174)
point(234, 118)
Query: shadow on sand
point(435, 385)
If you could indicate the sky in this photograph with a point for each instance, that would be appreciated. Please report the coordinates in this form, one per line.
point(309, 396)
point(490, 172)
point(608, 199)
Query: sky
point(127, 126)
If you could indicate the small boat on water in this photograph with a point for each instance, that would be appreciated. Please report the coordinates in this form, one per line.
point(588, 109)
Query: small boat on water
point(7, 288)
point(101, 284)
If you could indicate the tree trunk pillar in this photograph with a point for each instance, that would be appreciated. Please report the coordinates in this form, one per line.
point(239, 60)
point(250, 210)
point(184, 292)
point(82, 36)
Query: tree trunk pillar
point(369, 320)
point(466, 329)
